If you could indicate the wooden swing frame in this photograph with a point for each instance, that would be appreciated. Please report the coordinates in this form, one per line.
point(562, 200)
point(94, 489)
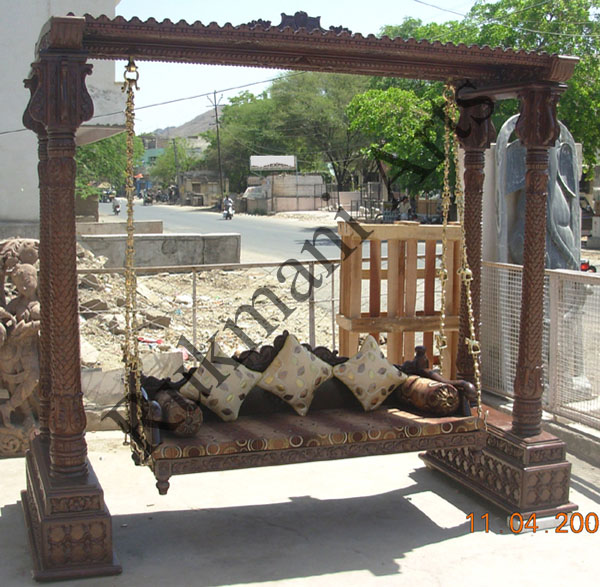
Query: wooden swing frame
point(522, 468)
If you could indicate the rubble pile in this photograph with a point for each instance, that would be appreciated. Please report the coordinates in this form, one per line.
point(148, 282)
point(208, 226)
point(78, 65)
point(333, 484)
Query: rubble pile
point(165, 310)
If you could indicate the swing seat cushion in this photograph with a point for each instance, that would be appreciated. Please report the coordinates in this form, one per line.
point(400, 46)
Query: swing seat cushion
point(322, 435)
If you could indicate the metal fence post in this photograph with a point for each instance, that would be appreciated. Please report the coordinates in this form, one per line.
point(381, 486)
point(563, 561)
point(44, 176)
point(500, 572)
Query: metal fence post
point(311, 307)
point(333, 310)
point(194, 309)
point(554, 322)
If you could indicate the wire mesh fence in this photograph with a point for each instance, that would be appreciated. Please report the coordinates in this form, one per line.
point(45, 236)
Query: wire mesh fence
point(571, 338)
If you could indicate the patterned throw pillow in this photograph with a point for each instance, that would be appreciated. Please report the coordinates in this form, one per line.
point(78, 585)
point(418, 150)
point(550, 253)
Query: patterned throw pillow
point(222, 394)
point(369, 375)
point(294, 375)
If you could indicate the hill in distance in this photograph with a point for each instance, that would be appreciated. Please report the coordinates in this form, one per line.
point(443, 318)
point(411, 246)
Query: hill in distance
point(192, 128)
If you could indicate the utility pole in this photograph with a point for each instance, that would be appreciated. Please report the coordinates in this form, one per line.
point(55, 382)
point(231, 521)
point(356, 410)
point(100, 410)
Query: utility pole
point(176, 168)
point(215, 104)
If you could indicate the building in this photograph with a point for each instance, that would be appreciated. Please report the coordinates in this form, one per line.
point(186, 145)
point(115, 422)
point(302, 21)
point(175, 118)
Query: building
point(19, 198)
point(202, 188)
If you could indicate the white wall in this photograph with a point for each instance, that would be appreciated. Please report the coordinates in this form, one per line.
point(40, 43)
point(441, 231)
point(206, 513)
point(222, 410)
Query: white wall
point(19, 30)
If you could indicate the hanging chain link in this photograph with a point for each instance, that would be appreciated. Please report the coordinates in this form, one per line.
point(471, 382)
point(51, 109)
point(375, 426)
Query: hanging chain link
point(464, 272)
point(133, 389)
point(441, 339)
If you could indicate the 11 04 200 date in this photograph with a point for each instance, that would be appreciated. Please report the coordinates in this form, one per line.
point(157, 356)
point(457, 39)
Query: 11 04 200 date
point(567, 524)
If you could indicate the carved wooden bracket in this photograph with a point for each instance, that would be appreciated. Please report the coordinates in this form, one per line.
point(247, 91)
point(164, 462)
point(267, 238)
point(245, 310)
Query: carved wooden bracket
point(538, 126)
point(60, 100)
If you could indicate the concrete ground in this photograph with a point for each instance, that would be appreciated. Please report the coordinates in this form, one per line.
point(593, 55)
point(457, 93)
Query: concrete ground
point(376, 520)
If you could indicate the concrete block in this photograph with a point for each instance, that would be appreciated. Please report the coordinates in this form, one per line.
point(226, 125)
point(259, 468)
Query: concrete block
point(222, 248)
point(151, 250)
point(154, 320)
point(91, 281)
point(19, 229)
point(140, 227)
point(89, 353)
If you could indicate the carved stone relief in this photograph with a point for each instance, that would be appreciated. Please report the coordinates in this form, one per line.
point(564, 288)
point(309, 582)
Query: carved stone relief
point(564, 217)
point(19, 339)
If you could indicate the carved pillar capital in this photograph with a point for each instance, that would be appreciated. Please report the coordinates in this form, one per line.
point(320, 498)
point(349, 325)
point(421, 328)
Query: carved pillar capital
point(59, 104)
point(60, 100)
point(538, 129)
point(475, 132)
point(538, 126)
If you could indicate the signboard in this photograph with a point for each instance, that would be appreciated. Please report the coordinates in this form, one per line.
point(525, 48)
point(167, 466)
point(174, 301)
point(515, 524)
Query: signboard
point(273, 163)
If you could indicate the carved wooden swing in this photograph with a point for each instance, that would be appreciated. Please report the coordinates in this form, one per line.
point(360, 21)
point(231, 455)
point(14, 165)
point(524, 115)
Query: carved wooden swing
point(522, 469)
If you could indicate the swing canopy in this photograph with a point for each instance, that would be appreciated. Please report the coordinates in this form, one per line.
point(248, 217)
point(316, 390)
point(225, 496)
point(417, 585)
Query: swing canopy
point(300, 43)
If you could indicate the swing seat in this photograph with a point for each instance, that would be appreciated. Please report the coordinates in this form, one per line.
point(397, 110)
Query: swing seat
point(283, 438)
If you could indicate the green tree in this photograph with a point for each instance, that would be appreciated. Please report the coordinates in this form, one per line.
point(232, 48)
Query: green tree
point(246, 128)
point(104, 161)
point(569, 27)
point(311, 111)
point(302, 115)
point(164, 170)
point(407, 136)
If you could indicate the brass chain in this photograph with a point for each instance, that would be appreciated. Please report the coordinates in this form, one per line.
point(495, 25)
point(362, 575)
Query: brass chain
point(131, 348)
point(441, 339)
point(464, 272)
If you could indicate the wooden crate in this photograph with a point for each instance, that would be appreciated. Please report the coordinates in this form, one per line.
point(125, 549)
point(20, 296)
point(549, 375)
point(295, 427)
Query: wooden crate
point(400, 316)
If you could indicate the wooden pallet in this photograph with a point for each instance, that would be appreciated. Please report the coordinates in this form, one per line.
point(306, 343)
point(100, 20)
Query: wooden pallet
point(403, 315)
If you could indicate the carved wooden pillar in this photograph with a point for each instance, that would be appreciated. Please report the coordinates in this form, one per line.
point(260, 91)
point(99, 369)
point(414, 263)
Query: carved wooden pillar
point(69, 525)
point(520, 469)
point(44, 385)
point(475, 132)
point(61, 103)
point(538, 129)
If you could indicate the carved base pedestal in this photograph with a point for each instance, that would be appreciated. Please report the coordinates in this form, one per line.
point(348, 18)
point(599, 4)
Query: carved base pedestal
point(525, 475)
point(70, 529)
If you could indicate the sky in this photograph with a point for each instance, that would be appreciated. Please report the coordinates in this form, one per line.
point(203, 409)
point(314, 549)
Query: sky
point(161, 82)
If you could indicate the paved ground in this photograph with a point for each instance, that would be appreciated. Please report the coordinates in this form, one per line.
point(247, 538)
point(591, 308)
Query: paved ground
point(375, 520)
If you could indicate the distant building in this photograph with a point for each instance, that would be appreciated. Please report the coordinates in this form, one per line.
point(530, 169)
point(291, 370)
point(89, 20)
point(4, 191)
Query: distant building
point(19, 31)
point(150, 156)
point(202, 188)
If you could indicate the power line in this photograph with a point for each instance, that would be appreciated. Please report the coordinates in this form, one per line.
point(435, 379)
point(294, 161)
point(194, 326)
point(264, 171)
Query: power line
point(530, 7)
point(499, 22)
point(176, 100)
point(439, 8)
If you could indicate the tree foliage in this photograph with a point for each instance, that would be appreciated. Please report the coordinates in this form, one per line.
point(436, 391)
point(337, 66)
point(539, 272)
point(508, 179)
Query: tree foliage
point(246, 128)
point(104, 161)
point(341, 124)
point(406, 136)
point(570, 27)
point(312, 110)
point(302, 115)
point(164, 170)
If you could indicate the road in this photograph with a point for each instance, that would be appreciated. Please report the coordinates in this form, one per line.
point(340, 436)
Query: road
point(263, 238)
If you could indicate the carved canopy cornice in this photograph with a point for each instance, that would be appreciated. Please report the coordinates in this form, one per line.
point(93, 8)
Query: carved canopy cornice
point(259, 44)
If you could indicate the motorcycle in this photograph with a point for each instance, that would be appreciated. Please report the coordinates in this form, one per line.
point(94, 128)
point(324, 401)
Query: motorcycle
point(228, 212)
point(147, 200)
point(116, 207)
